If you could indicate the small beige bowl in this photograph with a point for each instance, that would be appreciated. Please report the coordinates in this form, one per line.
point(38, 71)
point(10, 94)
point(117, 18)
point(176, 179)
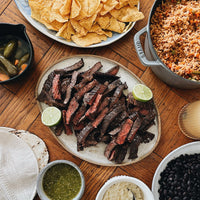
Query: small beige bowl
point(40, 189)
point(147, 194)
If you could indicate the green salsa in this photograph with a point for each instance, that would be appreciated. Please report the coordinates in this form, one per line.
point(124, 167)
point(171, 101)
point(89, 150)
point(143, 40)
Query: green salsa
point(61, 182)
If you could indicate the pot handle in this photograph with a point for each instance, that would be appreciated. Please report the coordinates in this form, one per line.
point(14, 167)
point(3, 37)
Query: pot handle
point(140, 52)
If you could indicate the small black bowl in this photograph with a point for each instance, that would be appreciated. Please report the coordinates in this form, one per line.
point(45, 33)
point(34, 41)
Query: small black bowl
point(17, 31)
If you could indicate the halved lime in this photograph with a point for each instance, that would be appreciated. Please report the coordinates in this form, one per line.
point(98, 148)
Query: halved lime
point(142, 93)
point(51, 116)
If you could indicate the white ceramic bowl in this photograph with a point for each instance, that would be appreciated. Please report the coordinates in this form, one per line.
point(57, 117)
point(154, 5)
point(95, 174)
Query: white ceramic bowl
point(40, 190)
point(190, 148)
point(117, 179)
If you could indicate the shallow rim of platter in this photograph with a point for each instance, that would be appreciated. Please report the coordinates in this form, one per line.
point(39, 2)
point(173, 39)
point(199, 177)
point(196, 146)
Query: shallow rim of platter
point(148, 195)
point(190, 148)
point(91, 160)
point(24, 8)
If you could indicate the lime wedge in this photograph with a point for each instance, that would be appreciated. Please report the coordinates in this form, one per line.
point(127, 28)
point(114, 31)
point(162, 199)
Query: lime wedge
point(51, 116)
point(142, 93)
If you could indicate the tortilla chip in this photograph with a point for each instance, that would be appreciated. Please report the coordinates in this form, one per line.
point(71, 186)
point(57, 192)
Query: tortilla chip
point(97, 29)
point(88, 8)
point(108, 6)
point(120, 5)
point(66, 31)
point(66, 8)
point(78, 28)
point(89, 39)
point(55, 25)
point(55, 12)
point(85, 22)
point(116, 25)
point(54, 15)
point(127, 14)
point(88, 22)
point(75, 8)
point(133, 3)
point(103, 21)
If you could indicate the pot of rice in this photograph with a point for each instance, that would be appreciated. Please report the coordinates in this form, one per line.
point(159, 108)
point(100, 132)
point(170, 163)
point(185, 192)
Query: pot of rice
point(173, 40)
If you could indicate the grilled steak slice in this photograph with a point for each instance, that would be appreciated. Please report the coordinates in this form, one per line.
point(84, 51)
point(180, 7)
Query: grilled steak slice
point(121, 153)
point(136, 125)
point(114, 153)
point(103, 77)
point(71, 68)
point(92, 138)
point(110, 75)
point(109, 118)
point(59, 128)
point(109, 148)
point(79, 113)
point(56, 92)
point(46, 88)
point(68, 129)
point(122, 135)
point(88, 75)
point(64, 84)
point(104, 104)
point(113, 70)
point(146, 136)
point(115, 131)
point(112, 86)
point(106, 139)
point(84, 133)
point(134, 146)
point(120, 118)
point(148, 121)
point(100, 117)
point(46, 98)
point(92, 110)
point(85, 89)
point(73, 106)
point(70, 86)
point(117, 94)
point(79, 126)
point(90, 96)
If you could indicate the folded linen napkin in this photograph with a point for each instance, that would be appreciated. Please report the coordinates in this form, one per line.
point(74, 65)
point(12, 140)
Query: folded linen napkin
point(18, 168)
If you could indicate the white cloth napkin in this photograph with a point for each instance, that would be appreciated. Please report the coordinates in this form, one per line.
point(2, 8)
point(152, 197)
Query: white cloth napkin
point(18, 168)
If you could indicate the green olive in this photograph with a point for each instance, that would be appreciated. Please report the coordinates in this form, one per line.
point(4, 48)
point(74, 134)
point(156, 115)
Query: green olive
point(10, 68)
point(23, 60)
point(10, 48)
point(3, 70)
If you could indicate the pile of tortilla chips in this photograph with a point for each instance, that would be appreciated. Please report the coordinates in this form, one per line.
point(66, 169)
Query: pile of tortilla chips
point(85, 22)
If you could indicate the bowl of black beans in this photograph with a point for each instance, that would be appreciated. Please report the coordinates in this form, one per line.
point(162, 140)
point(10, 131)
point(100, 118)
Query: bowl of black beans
point(178, 175)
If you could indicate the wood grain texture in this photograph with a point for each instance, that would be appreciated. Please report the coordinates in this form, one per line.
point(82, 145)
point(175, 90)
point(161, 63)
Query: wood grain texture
point(18, 107)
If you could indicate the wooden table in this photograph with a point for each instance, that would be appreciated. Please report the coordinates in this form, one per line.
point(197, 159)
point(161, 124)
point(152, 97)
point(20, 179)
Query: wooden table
point(19, 110)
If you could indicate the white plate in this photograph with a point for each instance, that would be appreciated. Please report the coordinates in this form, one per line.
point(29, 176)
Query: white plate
point(18, 167)
point(117, 179)
point(24, 8)
point(190, 148)
point(95, 154)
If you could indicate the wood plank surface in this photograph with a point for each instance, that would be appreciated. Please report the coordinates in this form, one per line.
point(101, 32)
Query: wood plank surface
point(19, 109)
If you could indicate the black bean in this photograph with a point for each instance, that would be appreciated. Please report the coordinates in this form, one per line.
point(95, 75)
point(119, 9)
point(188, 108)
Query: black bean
point(181, 179)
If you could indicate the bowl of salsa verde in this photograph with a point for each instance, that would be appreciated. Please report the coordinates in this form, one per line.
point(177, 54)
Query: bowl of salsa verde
point(60, 180)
